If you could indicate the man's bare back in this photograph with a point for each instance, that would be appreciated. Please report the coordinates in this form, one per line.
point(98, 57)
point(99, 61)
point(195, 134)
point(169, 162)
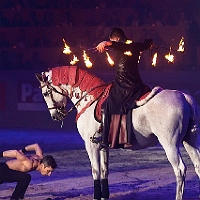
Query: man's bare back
point(30, 165)
point(24, 163)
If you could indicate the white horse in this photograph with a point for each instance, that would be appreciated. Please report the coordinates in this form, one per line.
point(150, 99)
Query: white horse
point(169, 117)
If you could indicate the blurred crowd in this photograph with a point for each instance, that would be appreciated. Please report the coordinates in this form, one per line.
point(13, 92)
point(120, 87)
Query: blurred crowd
point(40, 24)
point(137, 13)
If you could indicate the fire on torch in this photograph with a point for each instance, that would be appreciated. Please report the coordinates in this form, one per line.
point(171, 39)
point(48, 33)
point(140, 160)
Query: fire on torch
point(170, 57)
point(154, 59)
point(86, 59)
point(111, 62)
point(128, 53)
point(74, 61)
point(66, 48)
point(181, 45)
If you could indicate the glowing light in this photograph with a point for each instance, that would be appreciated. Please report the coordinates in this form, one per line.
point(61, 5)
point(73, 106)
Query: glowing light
point(128, 53)
point(87, 62)
point(111, 62)
point(170, 57)
point(66, 48)
point(74, 61)
point(154, 59)
point(181, 45)
point(128, 41)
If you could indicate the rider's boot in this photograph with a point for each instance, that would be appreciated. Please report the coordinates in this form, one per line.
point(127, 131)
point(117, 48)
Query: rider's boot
point(105, 124)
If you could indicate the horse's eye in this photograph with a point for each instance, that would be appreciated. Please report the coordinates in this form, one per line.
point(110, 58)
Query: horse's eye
point(45, 94)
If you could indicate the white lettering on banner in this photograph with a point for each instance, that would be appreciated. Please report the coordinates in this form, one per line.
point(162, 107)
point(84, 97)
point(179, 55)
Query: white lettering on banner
point(29, 93)
point(37, 97)
point(31, 98)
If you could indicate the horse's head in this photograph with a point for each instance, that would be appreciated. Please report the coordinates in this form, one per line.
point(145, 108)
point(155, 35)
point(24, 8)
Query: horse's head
point(54, 96)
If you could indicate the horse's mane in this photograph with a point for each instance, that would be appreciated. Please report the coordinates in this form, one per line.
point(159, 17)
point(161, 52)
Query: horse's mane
point(77, 77)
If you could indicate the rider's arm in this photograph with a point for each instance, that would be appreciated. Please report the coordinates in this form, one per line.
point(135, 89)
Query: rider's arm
point(33, 147)
point(147, 44)
point(140, 46)
point(101, 46)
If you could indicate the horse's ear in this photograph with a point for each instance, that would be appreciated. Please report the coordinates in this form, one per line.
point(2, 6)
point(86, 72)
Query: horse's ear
point(39, 77)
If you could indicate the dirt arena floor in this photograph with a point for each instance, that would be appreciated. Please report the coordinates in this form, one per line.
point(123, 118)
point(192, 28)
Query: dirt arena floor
point(134, 175)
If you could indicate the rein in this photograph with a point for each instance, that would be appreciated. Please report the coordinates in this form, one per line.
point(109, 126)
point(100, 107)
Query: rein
point(87, 94)
point(48, 84)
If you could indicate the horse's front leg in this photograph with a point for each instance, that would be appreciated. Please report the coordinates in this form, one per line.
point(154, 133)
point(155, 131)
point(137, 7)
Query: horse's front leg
point(104, 158)
point(94, 156)
point(99, 164)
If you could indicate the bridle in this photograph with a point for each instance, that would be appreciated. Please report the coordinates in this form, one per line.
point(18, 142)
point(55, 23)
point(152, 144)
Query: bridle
point(61, 110)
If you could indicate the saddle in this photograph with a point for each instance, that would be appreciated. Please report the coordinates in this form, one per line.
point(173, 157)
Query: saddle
point(118, 134)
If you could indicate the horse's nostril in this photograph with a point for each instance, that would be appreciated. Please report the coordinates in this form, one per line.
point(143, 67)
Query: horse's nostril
point(54, 118)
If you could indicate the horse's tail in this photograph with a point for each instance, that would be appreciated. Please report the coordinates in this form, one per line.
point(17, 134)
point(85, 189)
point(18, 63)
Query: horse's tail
point(195, 114)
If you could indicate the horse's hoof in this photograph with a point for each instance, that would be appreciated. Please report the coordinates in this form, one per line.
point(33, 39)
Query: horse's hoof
point(101, 199)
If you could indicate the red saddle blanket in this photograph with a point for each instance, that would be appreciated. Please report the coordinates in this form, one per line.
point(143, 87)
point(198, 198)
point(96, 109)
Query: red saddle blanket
point(105, 96)
point(118, 136)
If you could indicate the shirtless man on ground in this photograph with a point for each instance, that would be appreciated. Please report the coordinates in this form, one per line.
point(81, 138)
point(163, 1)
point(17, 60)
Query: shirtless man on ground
point(16, 170)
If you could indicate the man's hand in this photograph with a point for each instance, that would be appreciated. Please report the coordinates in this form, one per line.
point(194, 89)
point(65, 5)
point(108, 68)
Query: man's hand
point(33, 147)
point(36, 157)
point(101, 46)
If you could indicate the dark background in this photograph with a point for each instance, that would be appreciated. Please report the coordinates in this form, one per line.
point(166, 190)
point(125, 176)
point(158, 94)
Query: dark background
point(31, 41)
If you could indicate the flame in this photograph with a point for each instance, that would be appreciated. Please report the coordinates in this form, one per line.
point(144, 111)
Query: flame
point(87, 62)
point(128, 53)
point(170, 57)
point(128, 41)
point(109, 59)
point(154, 59)
point(181, 45)
point(67, 48)
point(74, 61)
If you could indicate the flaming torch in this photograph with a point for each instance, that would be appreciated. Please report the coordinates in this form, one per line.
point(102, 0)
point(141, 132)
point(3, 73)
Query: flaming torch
point(170, 57)
point(87, 62)
point(74, 61)
point(67, 48)
point(128, 41)
point(154, 59)
point(128, 53)
point(181, 45)
point(111, 62)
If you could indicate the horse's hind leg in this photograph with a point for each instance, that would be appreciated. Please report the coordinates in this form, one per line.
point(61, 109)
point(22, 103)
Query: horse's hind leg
point(191, 146)
point(174, 157)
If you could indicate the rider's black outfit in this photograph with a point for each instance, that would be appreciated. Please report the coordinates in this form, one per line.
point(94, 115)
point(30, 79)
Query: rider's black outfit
point(127, 85)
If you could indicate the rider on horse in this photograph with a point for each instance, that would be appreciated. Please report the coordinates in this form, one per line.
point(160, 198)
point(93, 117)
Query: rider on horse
point(127, 86)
